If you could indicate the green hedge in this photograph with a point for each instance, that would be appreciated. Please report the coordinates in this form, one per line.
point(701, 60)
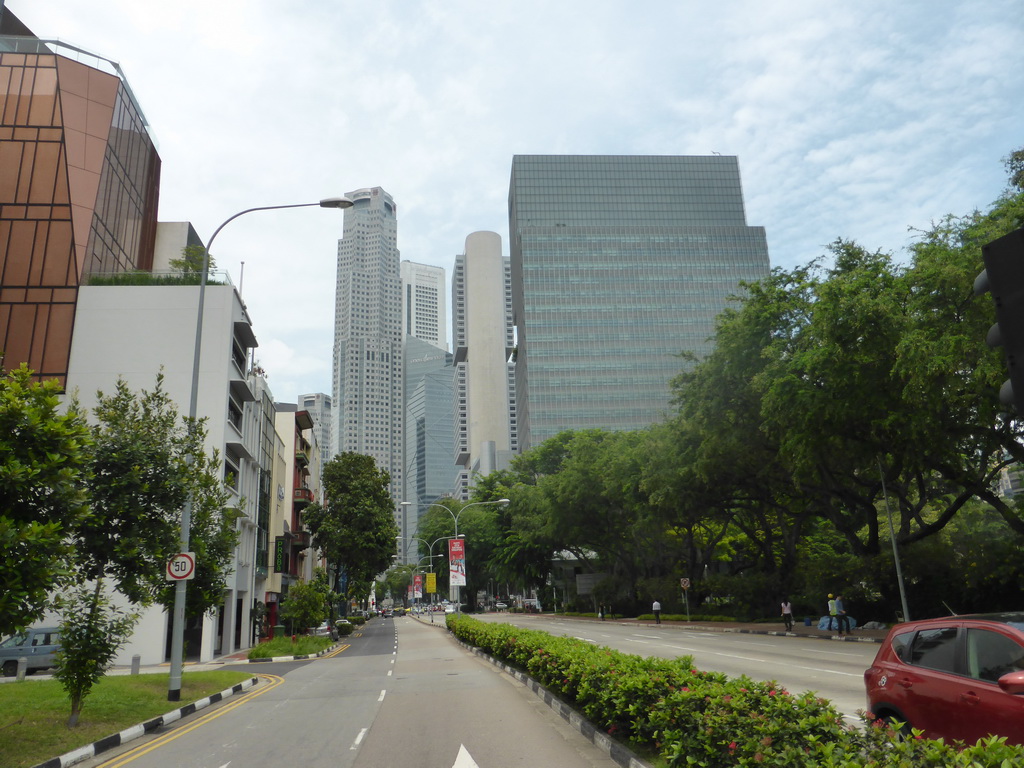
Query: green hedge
point(693, 718)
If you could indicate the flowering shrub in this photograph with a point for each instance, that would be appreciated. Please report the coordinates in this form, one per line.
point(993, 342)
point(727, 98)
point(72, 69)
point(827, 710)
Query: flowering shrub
point(694, 718)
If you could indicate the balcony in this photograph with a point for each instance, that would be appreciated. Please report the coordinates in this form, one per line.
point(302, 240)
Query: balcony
point(301, 458)
point(301, 539)
point(302, 496)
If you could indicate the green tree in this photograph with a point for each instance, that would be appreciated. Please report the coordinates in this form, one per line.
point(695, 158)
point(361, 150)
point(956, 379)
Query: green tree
point(355, 527)
point(43, 463)
point(191, 261)
point(307, 604)
point(92, 631)
point(146, 462)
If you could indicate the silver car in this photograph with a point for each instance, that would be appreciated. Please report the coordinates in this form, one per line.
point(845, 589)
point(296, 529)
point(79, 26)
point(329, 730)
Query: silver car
point(38, 645)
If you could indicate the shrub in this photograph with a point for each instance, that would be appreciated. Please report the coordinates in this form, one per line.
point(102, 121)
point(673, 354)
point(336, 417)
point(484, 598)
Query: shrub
point(694, 718)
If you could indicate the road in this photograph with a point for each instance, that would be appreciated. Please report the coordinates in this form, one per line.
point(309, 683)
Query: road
point(401, 692)
point(834, 670)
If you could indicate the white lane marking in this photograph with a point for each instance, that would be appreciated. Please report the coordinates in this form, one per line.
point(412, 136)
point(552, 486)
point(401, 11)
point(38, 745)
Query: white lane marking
point(359, 738)
point(381, 697)
point(641, 642)
point(390, 672)
point(653, 637)
point(464, 760)
point(584, 639)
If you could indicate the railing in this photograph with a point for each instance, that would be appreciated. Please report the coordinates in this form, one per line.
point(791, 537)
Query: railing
point(158, 277)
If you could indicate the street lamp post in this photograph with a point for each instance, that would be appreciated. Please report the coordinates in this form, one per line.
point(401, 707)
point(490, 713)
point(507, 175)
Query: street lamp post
point(431, 555)
point(455, 518)
point(178, 619)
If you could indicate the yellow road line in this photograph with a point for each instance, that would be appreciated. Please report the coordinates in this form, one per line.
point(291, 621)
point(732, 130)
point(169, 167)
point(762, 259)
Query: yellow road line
point(123, 759)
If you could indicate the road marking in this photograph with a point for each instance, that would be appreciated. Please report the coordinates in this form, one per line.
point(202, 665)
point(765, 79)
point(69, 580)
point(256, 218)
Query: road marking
point(653, 637)
point(763, 661)
point(381, 697)
point(359, 738)
point(167, 738)
point(390, 672)
point(464, 760)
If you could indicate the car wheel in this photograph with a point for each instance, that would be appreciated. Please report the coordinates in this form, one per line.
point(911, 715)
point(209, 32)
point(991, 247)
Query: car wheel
point(10, 668)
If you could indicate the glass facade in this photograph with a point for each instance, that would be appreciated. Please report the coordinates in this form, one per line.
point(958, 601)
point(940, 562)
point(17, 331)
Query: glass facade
point(619, 264)
point(79, 180)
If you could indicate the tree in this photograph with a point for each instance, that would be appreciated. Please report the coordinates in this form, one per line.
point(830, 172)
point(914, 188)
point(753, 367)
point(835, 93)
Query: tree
point(91, 633)
point(43, 463)
point(355, 526)
point(145, 464)
point(308, 603)
point(191, 261)
point(1015, 167)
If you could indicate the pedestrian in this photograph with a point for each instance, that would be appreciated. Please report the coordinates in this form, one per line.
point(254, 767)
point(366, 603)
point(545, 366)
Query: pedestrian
point(657, 612)
point(832, 615)
point(842, 618)
point(787, 613)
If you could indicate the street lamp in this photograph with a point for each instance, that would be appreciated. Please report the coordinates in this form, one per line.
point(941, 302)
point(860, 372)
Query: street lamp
point(455, 518)
point(178, 626)
point(431, 555)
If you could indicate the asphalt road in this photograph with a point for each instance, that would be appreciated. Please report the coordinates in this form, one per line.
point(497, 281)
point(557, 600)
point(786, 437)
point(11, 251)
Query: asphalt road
point(398, 693)
point(834, 670)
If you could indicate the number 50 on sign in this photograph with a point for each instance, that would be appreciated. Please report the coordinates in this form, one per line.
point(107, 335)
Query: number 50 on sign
point(181, 567)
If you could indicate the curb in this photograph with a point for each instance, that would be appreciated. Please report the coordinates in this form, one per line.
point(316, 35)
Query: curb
point(621, 754)
point(304, 657)
point(137, 731)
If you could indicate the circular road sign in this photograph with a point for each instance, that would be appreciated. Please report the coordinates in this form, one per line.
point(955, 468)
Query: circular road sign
point(181, 567)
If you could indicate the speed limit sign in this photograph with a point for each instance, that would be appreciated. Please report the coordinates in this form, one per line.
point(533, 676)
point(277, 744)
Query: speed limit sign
point(181, 567)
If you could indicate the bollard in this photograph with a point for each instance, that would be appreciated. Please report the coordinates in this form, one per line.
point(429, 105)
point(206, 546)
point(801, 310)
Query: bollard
point(136, 663)
point(22, 668)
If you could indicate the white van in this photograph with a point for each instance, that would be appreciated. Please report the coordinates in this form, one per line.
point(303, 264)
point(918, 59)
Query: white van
point(38, 645)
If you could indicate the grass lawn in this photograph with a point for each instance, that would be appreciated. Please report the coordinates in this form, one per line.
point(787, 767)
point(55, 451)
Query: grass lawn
point(34, 713)
point(304, 645)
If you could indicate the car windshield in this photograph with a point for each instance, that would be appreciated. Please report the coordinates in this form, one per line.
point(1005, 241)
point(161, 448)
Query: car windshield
point(14, 641)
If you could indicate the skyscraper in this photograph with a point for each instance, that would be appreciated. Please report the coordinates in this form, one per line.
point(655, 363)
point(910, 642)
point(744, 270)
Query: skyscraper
point(619, 263)
point(482, 331)
point(367, 372)
point(424, 309)
point(429, 436)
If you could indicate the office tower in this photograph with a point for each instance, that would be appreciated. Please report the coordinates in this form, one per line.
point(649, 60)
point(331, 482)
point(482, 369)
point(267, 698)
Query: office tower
point(429, 436)
point(424, 309)
point(482, 333)
point(319, 406)
point(619, 264)
point(367, 381)
point(79, 180)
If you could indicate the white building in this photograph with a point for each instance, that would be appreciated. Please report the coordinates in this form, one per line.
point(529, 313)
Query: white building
point(319, 406)
point(424, 305)
point(367, 372)
point(135, 332)
point(485, 413)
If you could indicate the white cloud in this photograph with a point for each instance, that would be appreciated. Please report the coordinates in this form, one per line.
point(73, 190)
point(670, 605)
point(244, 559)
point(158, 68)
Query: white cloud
point(849, 119)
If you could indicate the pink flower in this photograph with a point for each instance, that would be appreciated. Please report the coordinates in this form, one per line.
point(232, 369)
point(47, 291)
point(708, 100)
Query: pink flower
point(732, 746)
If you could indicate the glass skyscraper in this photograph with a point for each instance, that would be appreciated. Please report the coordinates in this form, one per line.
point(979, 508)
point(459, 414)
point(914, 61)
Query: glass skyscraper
point(619, 263)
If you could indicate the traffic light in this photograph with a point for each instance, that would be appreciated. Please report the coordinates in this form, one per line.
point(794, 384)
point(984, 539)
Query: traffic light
point(1003, 277)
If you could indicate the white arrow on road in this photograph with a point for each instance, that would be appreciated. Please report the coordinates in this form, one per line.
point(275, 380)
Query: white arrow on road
point(464, 760)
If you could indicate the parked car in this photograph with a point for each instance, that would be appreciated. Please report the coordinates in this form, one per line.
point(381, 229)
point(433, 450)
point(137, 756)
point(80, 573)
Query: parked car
point(38, 645)
point(501, 606)
point(959, 678)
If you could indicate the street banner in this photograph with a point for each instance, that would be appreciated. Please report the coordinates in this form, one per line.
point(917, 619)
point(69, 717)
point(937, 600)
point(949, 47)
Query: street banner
point(456, 563)
point(417, 586)
point(431, 583)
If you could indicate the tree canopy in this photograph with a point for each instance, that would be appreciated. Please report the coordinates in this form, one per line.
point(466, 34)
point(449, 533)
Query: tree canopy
point(832, 389)
point(355, 526)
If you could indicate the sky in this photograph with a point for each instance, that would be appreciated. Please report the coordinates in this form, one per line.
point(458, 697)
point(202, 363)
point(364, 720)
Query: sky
point(855, 119)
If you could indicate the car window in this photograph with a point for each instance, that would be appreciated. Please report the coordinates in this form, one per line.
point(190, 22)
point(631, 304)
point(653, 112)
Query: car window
point(991, 655)
point(900, 644)
point(14, 641)
point(935, 649)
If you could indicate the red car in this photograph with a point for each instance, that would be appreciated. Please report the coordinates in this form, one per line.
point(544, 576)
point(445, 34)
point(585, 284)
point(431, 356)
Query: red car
point(960, 678)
